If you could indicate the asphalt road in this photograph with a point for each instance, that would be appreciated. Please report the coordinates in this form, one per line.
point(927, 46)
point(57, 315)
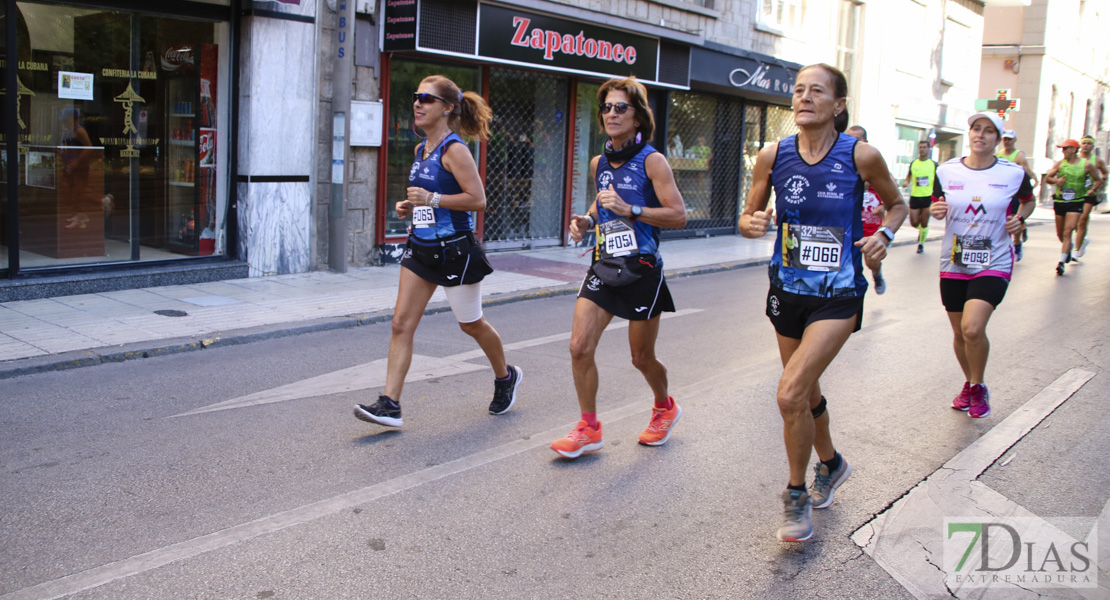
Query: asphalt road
point(270, 488)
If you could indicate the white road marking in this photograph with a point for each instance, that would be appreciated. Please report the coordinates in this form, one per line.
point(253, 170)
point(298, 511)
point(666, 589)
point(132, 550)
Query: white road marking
point(372, 374)
point(907, 539)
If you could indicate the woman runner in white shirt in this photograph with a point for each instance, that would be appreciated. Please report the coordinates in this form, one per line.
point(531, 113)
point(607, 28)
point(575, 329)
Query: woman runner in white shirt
point(975, 197)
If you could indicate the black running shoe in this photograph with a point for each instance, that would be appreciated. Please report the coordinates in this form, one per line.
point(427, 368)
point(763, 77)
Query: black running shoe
point(383, 412)
point(504, 391)
point(1060, 268)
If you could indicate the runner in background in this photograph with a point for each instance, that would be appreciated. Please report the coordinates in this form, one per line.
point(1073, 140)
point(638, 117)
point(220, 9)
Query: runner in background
point(920, 179)
point(1086, 152)
point(873, 212)
point(975, 196)
point(1010, 152)
point(1070, 176)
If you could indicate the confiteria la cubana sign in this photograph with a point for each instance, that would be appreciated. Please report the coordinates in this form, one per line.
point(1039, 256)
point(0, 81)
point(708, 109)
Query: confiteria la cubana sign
point(522, 37)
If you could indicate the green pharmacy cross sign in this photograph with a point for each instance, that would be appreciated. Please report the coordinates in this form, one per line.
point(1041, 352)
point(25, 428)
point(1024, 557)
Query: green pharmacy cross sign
point(1002, 103)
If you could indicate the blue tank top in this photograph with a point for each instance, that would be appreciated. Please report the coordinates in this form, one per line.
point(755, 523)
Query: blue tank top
point(819, 209)
point(633, 185)
point(430, 175)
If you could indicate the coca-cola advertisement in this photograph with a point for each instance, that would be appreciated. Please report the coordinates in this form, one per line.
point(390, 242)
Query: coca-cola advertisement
point(209, 69)
point(209, 59)
point(178, 59)
point(207, 148)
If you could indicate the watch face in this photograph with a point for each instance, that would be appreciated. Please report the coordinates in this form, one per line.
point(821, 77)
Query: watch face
point(637, 210)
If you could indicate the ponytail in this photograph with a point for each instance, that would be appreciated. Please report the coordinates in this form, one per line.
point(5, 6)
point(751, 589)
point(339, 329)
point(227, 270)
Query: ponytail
point(840, 121)
point(473, 116)
point(470, 115)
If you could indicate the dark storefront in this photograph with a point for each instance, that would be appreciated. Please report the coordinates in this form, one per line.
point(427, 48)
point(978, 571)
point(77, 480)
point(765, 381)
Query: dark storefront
point(115, 142)
point(540, 74)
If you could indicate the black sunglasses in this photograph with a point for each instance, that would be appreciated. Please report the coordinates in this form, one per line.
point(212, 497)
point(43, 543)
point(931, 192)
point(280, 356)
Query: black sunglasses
point(427, 98)
point(619, 107)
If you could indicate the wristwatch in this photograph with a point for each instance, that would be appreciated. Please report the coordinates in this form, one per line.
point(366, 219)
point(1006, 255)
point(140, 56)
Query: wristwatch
point(888, 233)
point(637, 210)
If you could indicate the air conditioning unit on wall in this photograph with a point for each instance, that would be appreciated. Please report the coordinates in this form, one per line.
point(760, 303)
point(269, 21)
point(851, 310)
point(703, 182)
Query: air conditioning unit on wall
point(365, 7)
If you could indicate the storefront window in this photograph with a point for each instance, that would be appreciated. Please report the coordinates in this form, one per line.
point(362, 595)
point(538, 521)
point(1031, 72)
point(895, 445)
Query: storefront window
point(589, 140)
point(404, 77)
point(906, 153)
point(118, 118)
point(753, 143)
point(703, 148)
point(779, 123)
point(526, 159)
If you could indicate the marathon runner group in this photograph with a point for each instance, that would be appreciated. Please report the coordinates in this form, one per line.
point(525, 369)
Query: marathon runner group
point(837, 208)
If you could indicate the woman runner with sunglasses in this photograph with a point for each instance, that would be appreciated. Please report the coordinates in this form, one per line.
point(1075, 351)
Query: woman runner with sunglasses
point(817, 281)
point(444, 186)
point(636, 196)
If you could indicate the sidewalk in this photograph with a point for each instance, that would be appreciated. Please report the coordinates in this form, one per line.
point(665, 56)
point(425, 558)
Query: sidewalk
point(73, 331)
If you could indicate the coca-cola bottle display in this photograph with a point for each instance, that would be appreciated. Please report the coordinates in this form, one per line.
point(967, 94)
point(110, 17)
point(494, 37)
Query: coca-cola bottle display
point(190, 75)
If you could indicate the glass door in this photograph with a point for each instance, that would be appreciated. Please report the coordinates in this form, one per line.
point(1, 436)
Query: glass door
point(114, 161)
point(526, 159)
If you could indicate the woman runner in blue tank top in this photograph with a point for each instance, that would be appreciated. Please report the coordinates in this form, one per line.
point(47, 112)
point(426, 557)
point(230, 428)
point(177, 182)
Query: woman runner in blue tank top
point(444, 187)
point(817, 284)
point(635, 196)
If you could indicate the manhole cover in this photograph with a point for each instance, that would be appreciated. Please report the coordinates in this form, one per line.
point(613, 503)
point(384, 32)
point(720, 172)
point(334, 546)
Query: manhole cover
point(171, 313)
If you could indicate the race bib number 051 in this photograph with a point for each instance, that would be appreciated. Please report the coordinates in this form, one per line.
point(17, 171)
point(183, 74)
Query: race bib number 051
point(617, 239)
point(812, 247)
point(423, 216)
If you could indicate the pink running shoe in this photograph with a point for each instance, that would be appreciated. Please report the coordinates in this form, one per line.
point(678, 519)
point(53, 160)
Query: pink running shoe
point(980, 401)
point(963, 401)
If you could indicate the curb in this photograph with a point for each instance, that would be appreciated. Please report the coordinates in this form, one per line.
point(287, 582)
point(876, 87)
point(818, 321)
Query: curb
point(115, 354)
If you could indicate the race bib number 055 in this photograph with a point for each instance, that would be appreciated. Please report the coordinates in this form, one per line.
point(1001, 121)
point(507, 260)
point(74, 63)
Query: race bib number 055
point(812, 247)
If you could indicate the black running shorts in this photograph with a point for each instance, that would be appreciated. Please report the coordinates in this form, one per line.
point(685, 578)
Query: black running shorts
point(1063, 208)
point(640, 300)
point(1092, 200)
point(954, 292)
point(921, 201)
point(792, 313)
point(468, 269)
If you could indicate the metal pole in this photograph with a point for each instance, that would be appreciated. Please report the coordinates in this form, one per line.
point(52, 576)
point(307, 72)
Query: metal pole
point(341, 127)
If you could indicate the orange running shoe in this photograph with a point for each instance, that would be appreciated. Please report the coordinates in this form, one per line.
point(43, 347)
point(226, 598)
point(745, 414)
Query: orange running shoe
point(662, 420)
point(583, 439)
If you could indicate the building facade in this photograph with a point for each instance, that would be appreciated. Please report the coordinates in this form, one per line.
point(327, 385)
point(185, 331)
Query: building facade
point(540, 64)
point(204, 134)
point(913, 78)
point(1053, 58)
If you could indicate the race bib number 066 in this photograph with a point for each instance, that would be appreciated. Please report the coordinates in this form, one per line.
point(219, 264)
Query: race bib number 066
point(812, 247)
